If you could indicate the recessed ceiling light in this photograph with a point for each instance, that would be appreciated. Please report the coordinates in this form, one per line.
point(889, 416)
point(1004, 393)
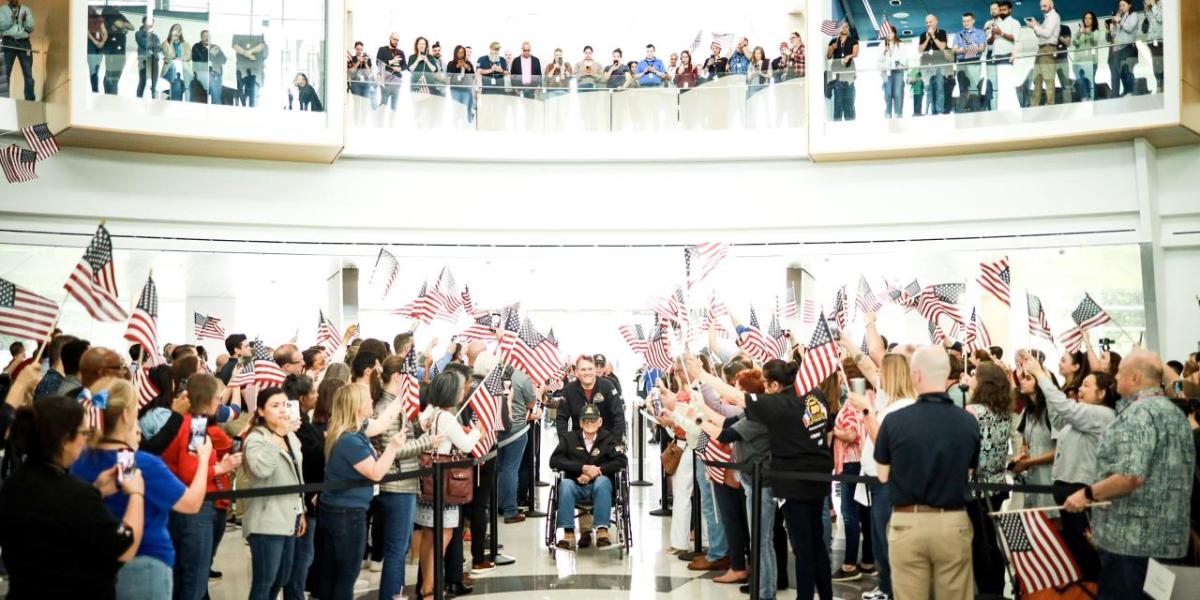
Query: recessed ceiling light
point(894, 2)
point(900, 15)
point(906, 32)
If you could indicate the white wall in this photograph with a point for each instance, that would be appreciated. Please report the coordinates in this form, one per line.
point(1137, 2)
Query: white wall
point(1179, 205)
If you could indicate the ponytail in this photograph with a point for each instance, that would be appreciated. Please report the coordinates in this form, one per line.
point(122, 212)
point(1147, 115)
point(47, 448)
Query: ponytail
point(39, 431)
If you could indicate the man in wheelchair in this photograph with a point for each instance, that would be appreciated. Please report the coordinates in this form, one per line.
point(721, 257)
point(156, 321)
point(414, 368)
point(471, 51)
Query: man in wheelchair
point(589, 458)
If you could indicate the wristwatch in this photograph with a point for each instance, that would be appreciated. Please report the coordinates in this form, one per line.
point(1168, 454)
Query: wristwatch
point(699, 420)
point(1091, 496)
point(866, 411)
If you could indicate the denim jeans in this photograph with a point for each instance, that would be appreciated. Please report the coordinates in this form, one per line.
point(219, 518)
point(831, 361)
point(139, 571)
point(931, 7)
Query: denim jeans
point(598, 492)
point(731, 502)
point(270, 564)
point(389, 93)
point(881, 513)
point(214, 87)
point(144, 578)
point(855, 520)
point(1121, 576)
point(993, 76)
point(935, 85)
point(510, 461)
point(768, 571)
point(803, 519)
point(147, 72)
point(1085, 81)
point(12, 56)
point(114, 65)
point(94, 61)
point(717, 547)
point(893, 94)
point(397, 525)
point(220, 516)
point(843, 100)
point(343, 533)
point(192, 536)
point(302, 559)
point(467, 98)
point(918, 104)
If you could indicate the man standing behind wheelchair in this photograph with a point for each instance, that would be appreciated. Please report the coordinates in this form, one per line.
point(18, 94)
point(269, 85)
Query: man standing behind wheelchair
point(588, 457)
point(590, 390)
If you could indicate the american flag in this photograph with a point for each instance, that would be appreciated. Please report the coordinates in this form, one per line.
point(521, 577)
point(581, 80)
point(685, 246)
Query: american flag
point(672, 308)
point(788, 309)
point(971, 51)
point(706, 256)
point(658, 349)
point(1038, 325)
point(1037, 553)
point(910, 295)
point(94, 281)
point(143, 323)
point(996, 279)
point(635, 337)
point(146, 390)
point(820, 360)
point(1086, 316)
point(24, 314)
point(484, 327)
point(717, 452)
point(243, 375)
point(446, 298)
point(327, 334)
point(422, 308)
point(510, 322)
point(942, 299)
point(978, 337)
point(717, 308)
point(832, 28)
point(390, 266)
point(467, 304)
point(841, 310)
point(487, 439)
point(777, 337)
point(208, 327)
point(40, 140)
point(956, 331)
point(709, 321)
point(936, 335)
point(534, 354)
point(19, 165)
point(266, 372)
point(755, 344)
point(485, 400)
point(410, 388)
point(886, 31)
point(809, 315)
point(866, 301)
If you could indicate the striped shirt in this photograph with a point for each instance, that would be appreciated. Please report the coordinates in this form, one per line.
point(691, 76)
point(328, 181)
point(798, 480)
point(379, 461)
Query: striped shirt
point(848, 419)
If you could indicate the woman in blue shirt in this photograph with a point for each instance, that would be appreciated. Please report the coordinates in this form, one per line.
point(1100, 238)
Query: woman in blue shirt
point(342, 513)
point(148, 575)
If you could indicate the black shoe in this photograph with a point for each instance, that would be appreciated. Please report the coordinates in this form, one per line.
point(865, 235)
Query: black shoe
point(214, 574)
point(843, 575)
point(459, 589)
point(585, 539)
point(744, 588)
point(866, 570)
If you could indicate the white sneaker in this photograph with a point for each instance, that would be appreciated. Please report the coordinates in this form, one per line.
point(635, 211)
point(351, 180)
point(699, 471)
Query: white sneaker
point(362, 584)
point(875, 594)
point(376, 566)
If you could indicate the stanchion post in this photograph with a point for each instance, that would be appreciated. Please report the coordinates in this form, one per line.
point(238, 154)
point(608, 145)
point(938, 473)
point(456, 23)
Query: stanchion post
point(663, 509)
point(536, 478)
point(756, 538)
point(697, 507)
point(497, 558)
point(641, 451)
point(439, 574)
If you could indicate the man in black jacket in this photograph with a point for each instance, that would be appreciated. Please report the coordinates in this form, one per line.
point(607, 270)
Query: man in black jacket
point(589, 458)
point(526, 72)
point(589, 389)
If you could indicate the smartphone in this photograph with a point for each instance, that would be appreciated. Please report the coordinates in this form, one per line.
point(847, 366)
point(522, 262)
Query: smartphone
point(293, 409)
point(656, 400)
point(237, 445)
point(199, 427)
point(507, 387)
point(126, 463)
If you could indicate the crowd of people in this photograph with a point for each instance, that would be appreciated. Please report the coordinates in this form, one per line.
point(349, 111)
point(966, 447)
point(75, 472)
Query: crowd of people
point(933, 65)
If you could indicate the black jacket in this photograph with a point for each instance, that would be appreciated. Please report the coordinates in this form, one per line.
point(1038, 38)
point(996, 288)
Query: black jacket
point(515, 68)
point(571, 454)
point(606, 398)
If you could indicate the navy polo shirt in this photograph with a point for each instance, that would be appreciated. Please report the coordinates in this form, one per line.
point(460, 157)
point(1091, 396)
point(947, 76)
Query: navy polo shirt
point(930, 447)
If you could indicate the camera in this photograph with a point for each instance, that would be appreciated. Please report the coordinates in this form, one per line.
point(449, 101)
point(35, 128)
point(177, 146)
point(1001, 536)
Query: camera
point(1105, 343)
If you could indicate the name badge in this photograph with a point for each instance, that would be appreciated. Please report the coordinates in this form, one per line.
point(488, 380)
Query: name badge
point(595, 452)
point(599, 397)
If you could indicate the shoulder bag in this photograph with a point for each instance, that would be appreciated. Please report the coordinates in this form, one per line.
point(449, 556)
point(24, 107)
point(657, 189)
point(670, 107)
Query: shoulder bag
point(458, 483)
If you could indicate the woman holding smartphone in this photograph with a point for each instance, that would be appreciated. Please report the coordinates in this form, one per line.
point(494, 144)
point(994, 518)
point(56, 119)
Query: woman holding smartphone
point(148, 575)
point(272, 523)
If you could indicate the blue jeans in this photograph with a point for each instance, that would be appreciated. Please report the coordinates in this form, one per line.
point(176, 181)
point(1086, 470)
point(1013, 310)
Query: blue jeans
point(881, 514)
point(1085, 81)
point(270, 564)
point(767, 568)
point(214, 87)
point(389, 93)
point(343, 533)
point(935, 90)
point(12, 56)
point(598, 492)
point(193, 539)
point(803, 518)
point(510, 461)
point(893, 94)
point(1121, 576)
point(843, 100)
point(397, 515)
point(717, 548)
point(302, 559)
point(851, 521)
point(466, 97)
point(144, 578)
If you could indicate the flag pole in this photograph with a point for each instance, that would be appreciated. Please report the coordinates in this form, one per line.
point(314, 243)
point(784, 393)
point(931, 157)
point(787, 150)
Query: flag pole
point(37, 357)
point(1019, 511)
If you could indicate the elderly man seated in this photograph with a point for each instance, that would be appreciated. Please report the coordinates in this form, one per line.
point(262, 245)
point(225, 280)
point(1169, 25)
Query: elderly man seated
point(588, 458)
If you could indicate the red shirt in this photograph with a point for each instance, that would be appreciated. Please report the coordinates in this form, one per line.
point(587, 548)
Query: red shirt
point(184, 464)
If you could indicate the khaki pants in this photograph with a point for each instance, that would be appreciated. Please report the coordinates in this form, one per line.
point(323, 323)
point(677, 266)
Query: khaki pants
point(931, 552)
point(1043, 74)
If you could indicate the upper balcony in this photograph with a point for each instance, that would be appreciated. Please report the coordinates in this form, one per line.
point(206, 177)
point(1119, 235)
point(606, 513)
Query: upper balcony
point(973, 90)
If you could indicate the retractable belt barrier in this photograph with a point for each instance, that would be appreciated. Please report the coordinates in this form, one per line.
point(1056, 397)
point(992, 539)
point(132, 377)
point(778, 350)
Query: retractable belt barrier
point(285, 490)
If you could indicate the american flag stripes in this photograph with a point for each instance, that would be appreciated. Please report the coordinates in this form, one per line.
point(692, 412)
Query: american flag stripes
point(207, 327)
point(942, 299)
point(971, 51)
point(143, 323)
point(24, 314)
point(820, 360)
point(978, 337)
point(1086, 316)
point(755, 343)
point(468, 304)
point(841, 310)
point(485, 400)
point(706, 257)
point(445, 298)
point(936, 335)
point(19, 165)
point(146, 389)
point(709, 321)
point(266, 372)
point(910, 295)
point(410, 388)
point(776, 338)
point(996, 279)
point(243, 375)
point(94, 281)
point(484, 327)
point(40, 140)
point(635, 337)
point(886, 30)
point(510, 323)
point(673, 307)
point(788, 309)
point(832, 28)
point(487, 439)
point(534, 354)
point(1038, 325)
point(810, 312)
point(327, 334)
point(866, 301)
point(1037, 553)
point(717, 452)
point(390, 268)
point(422, 308)
point(658, 349)
point(717, 308)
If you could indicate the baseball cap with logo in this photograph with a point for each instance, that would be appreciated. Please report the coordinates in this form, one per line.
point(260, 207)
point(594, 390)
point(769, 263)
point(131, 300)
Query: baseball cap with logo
point(590, 412)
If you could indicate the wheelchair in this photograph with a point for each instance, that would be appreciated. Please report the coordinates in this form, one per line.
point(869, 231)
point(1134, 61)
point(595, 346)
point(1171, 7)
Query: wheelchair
point(620, 529)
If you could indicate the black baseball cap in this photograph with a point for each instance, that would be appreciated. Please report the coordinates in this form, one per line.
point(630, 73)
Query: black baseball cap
point(590, 412)
point(600, 360)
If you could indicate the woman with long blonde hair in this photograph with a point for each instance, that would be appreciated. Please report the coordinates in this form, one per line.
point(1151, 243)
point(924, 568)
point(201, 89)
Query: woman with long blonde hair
point(342, 513)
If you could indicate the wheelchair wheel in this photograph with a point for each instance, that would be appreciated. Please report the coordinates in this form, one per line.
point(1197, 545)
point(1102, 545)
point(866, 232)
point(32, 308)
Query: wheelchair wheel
point(552, 513)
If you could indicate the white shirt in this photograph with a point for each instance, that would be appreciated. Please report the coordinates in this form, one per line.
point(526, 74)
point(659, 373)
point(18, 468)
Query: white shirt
point(1009, 26)
point(1047, 30)
point(882, 409)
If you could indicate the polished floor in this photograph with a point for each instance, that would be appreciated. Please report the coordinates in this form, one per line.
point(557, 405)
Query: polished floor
point(645, 573)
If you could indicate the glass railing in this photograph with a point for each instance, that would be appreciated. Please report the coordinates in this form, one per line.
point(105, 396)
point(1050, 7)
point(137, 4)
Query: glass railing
point(262, 55)
point(1090, 78)
point(464, 101)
